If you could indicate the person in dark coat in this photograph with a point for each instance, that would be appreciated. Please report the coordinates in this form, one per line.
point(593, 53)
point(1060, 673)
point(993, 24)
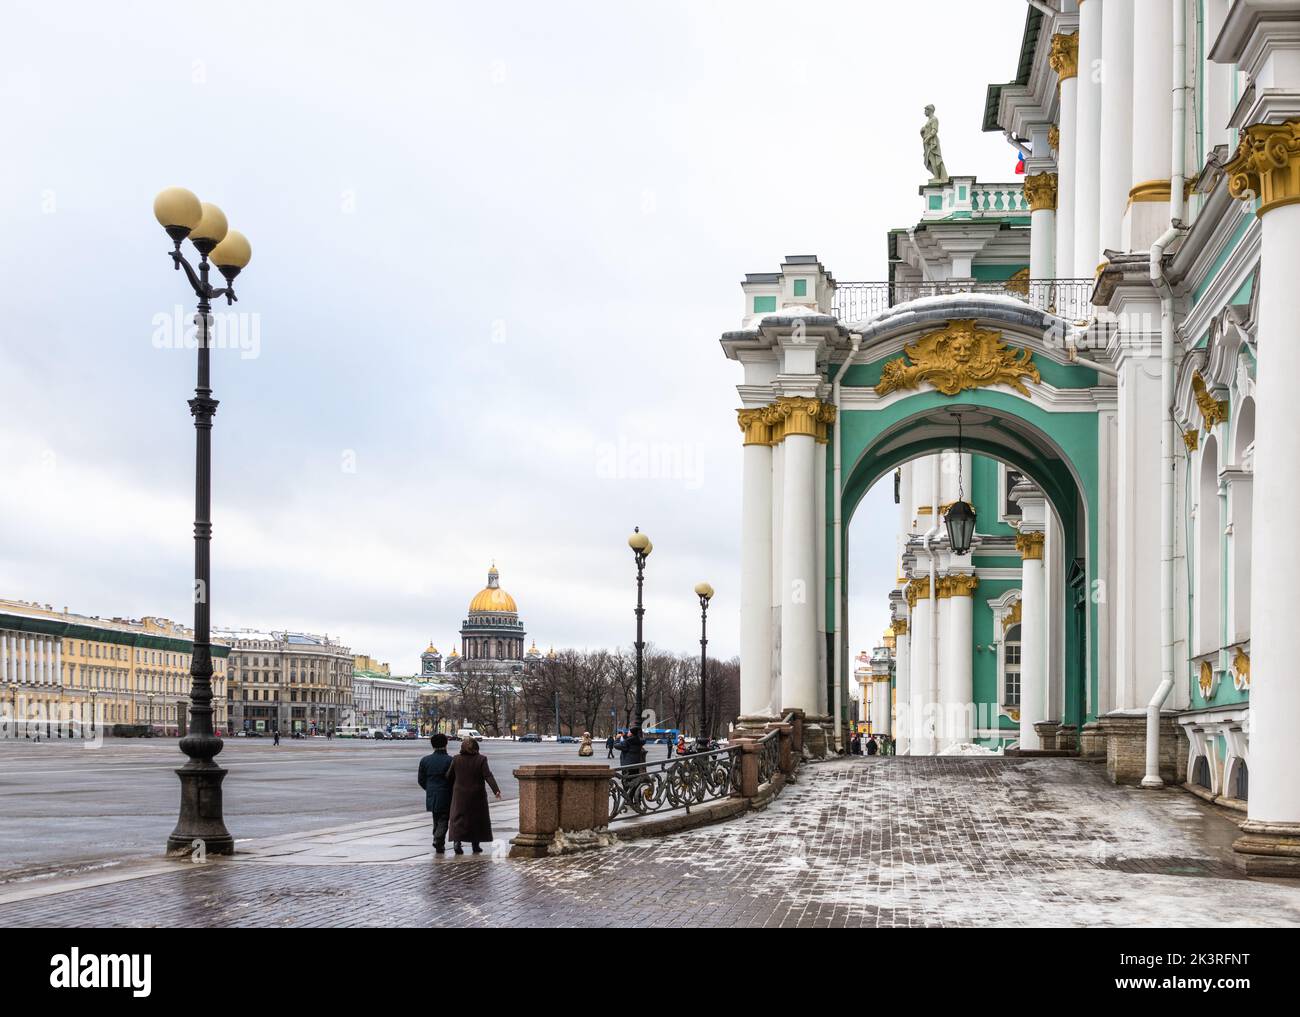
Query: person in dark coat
point(872, 746)
point(437, 789)
point(609, 747)
point(631, 748)
point(470, 821)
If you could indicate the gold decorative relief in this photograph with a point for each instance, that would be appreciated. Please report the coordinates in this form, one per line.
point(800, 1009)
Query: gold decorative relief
point(917, 589)
point(956, 357)
point(1192, 439)
point(756, 424)
point(1241, 670)
point(1054, 138)
point(1030, 545)
point(1213, 411)
point(962, 585)
point(1019, 283)
point(1040, 191)
point(1206, 680)
point(1012, 617)
point(1267, 165)
point(1064, 56)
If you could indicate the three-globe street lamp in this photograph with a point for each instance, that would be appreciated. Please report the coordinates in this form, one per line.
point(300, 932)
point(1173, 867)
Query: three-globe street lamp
point(183, 216)
point(705, 592)
point(641, 548)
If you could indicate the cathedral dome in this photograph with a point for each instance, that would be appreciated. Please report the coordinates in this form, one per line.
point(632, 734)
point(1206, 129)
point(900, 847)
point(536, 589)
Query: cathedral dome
point(492, 599)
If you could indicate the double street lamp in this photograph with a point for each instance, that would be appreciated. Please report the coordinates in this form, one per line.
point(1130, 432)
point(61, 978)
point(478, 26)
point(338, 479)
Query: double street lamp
point(641, 548)
point(705, 592)
point(183, 216)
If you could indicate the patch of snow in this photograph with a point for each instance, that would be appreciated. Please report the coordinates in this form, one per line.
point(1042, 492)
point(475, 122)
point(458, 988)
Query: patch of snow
point(969, 749)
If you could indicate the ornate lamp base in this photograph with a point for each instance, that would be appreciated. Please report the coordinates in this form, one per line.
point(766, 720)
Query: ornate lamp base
point(200, 827)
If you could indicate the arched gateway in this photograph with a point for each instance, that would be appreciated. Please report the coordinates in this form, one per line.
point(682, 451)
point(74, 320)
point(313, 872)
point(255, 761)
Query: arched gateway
point(832, 406)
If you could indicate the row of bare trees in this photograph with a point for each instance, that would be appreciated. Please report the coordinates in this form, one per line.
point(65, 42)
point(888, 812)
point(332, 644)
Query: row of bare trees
point(595, 690)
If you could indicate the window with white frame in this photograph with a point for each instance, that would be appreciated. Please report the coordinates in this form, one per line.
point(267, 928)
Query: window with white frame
point(1011, 667)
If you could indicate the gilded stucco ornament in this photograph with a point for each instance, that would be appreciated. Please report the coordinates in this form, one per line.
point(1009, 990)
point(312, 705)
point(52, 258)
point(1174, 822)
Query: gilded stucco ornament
point(1267, 165)
point(801, 415)
point(1040, 191)
point(962, 585)
point(1213, 411)
point(1012, 617)
point(1054, 138)
point(1064, 56)
point(899, 625)
point(1206, 680)
point(956, 357)
point(756, 425)
point(1241, 670)
point(917, 589)
point(1192, 439)
point(1019, 283)
point(1030, 545)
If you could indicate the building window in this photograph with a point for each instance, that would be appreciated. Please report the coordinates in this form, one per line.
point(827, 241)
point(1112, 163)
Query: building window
point(1011, 666)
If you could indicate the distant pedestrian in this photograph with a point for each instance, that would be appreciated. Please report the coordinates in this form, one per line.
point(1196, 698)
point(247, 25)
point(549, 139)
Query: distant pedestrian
point(855, 745)
point(872, 747)
point(468, 774)
point(275, 737)
point(585, 748)
point(609, 747)
point(681, 744)
point(631, 748)
point(437, 789)
point(671, 746)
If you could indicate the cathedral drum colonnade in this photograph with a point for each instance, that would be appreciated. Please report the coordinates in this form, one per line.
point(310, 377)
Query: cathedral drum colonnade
point(1137, 286)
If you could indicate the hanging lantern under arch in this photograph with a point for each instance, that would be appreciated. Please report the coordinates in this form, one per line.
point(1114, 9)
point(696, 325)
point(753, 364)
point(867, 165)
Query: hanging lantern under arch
point(960, 517)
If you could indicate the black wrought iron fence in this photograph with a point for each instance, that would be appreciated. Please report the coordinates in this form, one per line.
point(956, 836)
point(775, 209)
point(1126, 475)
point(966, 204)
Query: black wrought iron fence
point(678, 783)
point(1070, 299)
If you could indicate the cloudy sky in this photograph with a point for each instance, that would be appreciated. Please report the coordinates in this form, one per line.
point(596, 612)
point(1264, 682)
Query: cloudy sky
point(494, 246)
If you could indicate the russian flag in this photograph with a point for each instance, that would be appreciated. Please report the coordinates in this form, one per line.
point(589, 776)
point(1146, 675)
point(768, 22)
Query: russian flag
point(1020, 163)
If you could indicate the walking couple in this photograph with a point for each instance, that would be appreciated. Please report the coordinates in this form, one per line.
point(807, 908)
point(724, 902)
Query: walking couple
point(454, 792)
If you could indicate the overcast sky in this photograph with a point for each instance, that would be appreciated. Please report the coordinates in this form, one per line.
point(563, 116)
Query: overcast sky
point(494, 246)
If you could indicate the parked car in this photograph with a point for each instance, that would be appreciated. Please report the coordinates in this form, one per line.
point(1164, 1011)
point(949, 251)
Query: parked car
point(566, 739)
point(399, 732)
point(530, 737)
point(379, 734)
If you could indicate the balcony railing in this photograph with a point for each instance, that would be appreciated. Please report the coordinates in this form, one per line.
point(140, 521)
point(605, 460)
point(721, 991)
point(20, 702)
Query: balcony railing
point(1070, 299)
point(643, 790)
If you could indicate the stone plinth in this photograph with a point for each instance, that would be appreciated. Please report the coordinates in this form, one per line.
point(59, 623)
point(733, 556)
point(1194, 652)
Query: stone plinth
point(1091, 740)
point(555, 803)
point(1268, 849)
point(1126, 747)
point(1047, 731)
point(1067, 738)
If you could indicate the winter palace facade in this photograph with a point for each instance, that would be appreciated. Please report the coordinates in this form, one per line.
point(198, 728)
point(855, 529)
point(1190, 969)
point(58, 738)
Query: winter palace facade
point(1102, 359)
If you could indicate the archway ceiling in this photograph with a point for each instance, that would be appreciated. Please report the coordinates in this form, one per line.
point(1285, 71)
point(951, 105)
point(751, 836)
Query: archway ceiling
point(1021, 441)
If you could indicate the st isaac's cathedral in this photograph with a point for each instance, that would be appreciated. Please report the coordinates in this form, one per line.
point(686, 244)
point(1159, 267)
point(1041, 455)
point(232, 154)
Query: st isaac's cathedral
point(491, 637)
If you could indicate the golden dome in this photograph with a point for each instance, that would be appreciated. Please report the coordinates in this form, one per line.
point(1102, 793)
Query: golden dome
point(492, 598)
point(432, 648)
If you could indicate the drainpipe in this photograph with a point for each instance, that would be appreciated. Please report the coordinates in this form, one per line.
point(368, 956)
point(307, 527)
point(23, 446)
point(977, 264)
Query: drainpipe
point(838, 537)
point(1152, 779)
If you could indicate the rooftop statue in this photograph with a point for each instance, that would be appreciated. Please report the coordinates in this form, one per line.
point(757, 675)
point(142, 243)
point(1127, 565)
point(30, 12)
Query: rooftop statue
point(930, 146)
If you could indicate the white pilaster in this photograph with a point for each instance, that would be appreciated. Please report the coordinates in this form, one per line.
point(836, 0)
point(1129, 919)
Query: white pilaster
point(1066, 159)
point(798, 577)
point(920, 702)
point(902, 686)
point(958, 691)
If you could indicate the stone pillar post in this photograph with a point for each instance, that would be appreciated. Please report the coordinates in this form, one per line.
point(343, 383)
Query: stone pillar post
point(799, 656)
point(1087, 176)
point(1147, 214)
point(1033, 650)
point(1267, 165)
point(902, 685)
point(1064, 59)
point(756, 564)
point(958, 693)
point(568, 798)
point(1040, 192)
point(919, 707)
point(1115, 151)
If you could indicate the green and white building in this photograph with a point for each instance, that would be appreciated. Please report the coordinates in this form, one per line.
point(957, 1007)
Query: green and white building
point(1101, 359)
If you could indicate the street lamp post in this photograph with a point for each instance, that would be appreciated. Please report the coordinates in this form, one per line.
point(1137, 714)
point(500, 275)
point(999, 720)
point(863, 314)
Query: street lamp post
point(641, 548)
point(183, 216)
point(705, 592)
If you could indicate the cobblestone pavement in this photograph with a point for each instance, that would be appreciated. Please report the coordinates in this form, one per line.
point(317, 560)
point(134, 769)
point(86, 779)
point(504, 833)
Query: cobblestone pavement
point(866, 842)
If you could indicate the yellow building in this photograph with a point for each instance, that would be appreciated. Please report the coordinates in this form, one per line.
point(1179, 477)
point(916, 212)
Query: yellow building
point(57, 667)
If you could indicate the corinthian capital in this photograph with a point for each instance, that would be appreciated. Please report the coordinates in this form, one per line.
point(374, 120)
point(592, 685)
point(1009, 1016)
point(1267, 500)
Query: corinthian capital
point(1040, 191)
point(1030, 545)
point(1064, 56)
point(1267, 165)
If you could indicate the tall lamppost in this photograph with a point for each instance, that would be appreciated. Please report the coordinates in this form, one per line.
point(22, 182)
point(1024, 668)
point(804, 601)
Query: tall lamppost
point(641, 548)
point(182, 215)
point(705, 592)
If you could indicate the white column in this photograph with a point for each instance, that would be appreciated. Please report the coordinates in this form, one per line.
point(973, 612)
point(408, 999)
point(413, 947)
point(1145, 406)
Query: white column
point(1087, 178)
point(919, 703)
point(799, 568)
point(880, 705)
point(1042, 243)
point(4, 657)
point(1115, 151)
point(902, 684)
point(1065, 57)
point(778, 536)
point(1275, 690)
point(958, 692)
point(756, 567)
point(1153, 80)
point(825, 706)
point(58, 661)
point(28, 675)
point(1032, 678)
